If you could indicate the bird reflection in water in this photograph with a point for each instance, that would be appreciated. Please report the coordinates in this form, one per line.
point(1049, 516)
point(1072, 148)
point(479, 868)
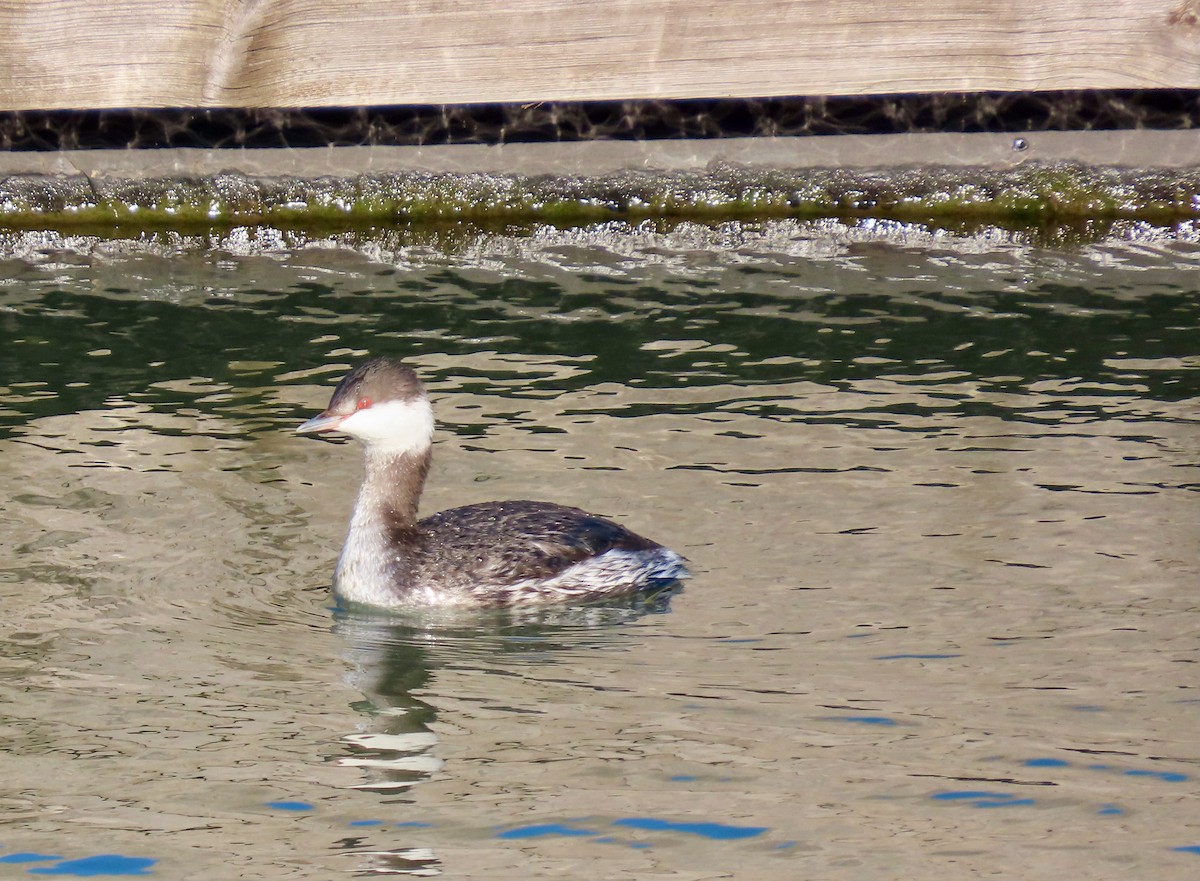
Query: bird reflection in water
point(394, 656)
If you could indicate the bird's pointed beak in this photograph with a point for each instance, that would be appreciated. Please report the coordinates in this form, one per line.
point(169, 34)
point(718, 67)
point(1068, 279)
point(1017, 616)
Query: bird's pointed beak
point(321, 422)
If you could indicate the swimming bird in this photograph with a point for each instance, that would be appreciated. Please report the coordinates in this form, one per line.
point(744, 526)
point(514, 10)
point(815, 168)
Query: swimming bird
point(489, 554)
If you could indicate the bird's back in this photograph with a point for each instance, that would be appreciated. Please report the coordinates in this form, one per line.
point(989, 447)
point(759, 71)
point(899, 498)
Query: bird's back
point(512, 551)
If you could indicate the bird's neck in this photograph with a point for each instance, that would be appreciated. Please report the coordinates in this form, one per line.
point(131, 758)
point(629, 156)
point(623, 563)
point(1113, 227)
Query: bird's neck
point(391, 489)
point(384, 523)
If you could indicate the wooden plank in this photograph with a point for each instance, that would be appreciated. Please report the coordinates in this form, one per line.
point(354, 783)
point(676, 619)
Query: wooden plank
point(313, 53)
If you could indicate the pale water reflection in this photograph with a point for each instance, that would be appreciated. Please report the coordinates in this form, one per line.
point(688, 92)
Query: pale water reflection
point(940, 497)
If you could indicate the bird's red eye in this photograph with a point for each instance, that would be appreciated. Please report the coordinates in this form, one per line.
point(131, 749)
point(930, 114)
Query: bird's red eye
point(363, 403)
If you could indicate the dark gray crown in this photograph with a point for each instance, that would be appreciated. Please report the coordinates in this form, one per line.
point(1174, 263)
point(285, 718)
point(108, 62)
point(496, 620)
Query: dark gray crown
point(380, 379)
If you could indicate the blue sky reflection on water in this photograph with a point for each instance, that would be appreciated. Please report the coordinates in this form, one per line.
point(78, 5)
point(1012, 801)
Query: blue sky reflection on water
point(100, 865)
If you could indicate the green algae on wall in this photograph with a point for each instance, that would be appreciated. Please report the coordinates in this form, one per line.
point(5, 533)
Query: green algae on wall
point(1026, 197)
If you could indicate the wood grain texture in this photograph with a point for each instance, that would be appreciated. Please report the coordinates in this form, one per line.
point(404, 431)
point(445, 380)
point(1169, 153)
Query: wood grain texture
point(313, 53)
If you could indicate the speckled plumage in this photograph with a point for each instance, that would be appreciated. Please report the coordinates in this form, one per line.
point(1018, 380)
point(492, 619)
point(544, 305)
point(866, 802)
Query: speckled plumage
point(489, 554)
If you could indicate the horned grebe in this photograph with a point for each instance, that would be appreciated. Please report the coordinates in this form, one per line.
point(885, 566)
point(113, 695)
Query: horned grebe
point(489, 554)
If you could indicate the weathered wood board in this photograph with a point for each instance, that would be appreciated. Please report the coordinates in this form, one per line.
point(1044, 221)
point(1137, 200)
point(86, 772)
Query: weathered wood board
point(317, 53)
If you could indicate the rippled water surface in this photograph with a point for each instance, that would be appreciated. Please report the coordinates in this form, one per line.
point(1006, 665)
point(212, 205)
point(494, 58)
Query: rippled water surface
point(939, 496)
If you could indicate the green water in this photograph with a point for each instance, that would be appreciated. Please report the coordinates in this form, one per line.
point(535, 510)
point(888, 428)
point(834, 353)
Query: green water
point(938, 493)
point(85, 326)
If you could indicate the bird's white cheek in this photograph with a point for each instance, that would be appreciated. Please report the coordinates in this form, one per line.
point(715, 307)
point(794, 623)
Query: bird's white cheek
point(397, 425)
